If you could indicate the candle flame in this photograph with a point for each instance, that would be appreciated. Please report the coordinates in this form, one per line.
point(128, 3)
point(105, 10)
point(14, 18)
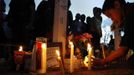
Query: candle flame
point(71, 43)
point(89, 47)
point(44, 45)
point(58, 54)
point(21, 48)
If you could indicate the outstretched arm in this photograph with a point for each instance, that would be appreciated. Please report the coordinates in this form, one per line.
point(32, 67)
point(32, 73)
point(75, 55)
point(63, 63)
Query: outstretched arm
point(113, 56)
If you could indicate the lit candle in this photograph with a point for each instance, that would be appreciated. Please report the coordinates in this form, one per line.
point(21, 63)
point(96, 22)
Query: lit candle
point(43, 58)
point(60, 61)
point(71, 56)
point(89, 48)
point(21, 48)
point(19, 57)
point(58, 55)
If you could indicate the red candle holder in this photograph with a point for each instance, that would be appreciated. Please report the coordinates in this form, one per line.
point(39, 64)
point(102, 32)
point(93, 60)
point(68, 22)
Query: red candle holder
point(19, 57)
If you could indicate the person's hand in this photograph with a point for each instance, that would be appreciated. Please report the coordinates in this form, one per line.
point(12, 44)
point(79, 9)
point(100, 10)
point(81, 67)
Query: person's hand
point(98, 62)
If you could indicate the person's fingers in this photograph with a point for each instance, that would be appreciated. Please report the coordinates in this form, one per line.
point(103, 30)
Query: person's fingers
point(96, 62)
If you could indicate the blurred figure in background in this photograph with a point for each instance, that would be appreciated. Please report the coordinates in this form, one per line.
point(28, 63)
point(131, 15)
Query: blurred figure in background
point(69, 26)
point(20, 20)
point(95, 28)
point(44, 17)
point(76, 24)
point(2, 34)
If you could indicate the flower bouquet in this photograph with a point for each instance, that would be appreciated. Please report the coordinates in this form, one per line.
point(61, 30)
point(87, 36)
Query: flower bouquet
point(80, 44)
